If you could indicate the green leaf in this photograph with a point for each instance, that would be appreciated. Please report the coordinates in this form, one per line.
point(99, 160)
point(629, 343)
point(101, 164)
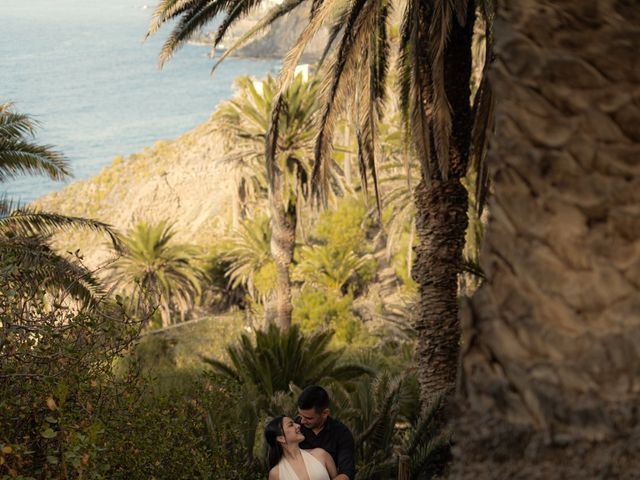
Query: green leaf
point(48, 433)
point(50, 419)
point(53, 460)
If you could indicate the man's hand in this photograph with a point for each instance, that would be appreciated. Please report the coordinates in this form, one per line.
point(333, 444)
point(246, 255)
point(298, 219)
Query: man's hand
point(342, 476)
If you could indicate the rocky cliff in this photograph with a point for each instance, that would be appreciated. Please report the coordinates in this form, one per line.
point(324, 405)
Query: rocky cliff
point(179, 180)
point(274, 41)
point(282, 35)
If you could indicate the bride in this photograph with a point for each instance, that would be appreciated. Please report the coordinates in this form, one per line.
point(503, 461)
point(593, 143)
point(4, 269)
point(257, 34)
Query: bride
point(288, 461)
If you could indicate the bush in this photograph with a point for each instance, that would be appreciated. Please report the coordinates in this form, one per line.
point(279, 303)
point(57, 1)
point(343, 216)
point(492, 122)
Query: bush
point(56, 370)
point(72, 408)
point(183, 426)
point(321, 309)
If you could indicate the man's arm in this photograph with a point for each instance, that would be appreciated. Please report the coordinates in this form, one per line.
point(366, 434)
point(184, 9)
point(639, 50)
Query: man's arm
point(345, 456)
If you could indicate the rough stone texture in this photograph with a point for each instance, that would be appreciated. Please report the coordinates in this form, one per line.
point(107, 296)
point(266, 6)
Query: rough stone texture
point(551, 351)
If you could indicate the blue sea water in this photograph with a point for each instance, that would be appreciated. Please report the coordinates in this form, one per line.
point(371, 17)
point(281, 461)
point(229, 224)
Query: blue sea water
point(81, 68)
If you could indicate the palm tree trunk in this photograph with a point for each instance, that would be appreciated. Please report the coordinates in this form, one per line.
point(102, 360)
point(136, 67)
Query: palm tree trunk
point(165, 314)
point(551, 364)
point(235, 204)
point(283, 240)
point(441, 222)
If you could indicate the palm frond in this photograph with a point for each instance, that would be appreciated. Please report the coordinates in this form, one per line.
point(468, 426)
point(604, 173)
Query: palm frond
point(222, 368)
point(415, 100)
point(192, 19)
point(291, 60)
point(28, 221)
point(18, 157)
point(483, 114)
point(268, 19)
point(239, 10)
point(63, 277)
point(360, 19)
point(167, 10)
point(14, 125)
point(439, 29)
point(336, 29)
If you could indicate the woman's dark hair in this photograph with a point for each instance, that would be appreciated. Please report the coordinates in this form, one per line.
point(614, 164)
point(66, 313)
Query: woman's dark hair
point(314, 396)
point(271, 433)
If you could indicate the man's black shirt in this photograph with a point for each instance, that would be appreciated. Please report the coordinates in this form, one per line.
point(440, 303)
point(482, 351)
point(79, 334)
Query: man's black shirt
point(336, 439)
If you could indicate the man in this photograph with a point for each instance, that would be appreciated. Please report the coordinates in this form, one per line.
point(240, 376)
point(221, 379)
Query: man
point(320, 430)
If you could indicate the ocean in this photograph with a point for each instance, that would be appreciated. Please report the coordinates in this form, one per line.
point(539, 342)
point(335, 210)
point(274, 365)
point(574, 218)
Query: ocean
point(82, 70)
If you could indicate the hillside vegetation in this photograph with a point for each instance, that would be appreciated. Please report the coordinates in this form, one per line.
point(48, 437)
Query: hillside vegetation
point(178, 180)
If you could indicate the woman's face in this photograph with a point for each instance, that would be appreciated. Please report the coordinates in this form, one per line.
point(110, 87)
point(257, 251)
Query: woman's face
point(291, 431)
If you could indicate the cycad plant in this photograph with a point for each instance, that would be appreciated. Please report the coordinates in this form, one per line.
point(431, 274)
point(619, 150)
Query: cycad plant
point(395, 437)
point(25, 232)
point(280, 358)
point(154, 270)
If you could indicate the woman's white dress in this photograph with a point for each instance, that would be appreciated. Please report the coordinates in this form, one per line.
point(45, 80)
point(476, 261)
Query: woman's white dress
point(315, 469)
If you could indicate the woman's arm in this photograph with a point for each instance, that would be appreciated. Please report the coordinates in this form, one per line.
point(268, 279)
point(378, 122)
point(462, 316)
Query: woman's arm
point(330, 464)
point(325, 459)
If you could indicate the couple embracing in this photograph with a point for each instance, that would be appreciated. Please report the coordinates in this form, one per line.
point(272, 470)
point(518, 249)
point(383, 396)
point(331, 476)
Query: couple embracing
point(311, 446)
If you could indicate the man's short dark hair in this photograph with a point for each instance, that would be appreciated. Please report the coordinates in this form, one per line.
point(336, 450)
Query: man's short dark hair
point(314, 396)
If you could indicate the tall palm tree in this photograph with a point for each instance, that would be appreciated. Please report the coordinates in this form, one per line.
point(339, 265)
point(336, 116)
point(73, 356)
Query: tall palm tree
point(246, 120)
point(550, 359)
point(155, 270)
point(435, 73)
point(24, 231)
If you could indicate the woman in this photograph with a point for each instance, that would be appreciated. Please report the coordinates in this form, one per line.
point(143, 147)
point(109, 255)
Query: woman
point(288, 461)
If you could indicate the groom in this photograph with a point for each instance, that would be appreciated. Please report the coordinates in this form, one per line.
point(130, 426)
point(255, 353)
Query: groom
point(320, 430)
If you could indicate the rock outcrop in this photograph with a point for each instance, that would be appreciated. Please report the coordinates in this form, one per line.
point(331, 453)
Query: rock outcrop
point(180, 180)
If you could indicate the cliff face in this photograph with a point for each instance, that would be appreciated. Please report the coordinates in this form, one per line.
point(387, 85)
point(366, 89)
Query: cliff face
point(179, 180)
point(281, 37)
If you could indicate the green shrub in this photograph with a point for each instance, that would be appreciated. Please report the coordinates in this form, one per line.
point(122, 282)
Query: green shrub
point(321, 309)
point(348, 227)
point(182, 426)
point(72, 408)
point(57, 381)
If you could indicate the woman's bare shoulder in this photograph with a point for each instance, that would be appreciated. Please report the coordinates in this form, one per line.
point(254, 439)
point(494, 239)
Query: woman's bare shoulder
point(274, 473)
point(319, 453)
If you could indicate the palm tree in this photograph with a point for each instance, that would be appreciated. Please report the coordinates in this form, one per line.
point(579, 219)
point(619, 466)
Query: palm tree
point(249, 257)
point(155, 270)
point(435, 73)
point(25, 232)
point(551, 357)
point(246, 121)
